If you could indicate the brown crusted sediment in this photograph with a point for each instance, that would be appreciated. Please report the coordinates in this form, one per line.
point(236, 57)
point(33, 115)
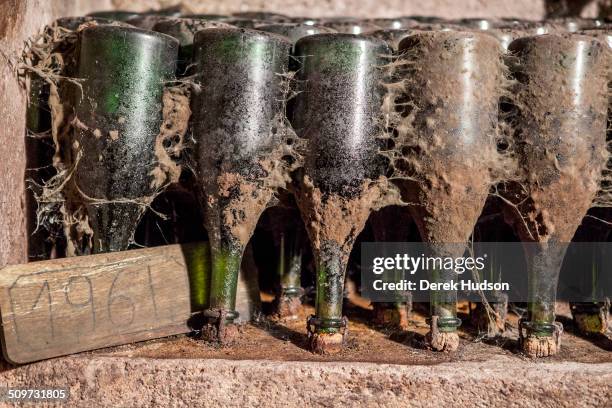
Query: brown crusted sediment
point(442, 159)
point(590, 324)
point(169, 143)
point(289, 307)
point(593, 321)
point(338, 219)
point(327, 343)
point(536, 346)
point(245, 199)
point(439, 340)
point(560, 177)
point(221, 333)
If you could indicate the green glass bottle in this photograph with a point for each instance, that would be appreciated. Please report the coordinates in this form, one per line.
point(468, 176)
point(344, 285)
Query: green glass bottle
point(340, 96)
point(446, 133)
point(559, 130)
point(237, 123)
point(123, 72)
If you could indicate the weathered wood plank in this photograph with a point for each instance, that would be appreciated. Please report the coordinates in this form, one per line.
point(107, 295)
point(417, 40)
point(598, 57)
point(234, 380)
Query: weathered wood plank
point(64, 306)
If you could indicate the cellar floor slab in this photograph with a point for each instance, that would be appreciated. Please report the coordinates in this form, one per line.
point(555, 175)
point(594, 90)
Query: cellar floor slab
point(269, 364)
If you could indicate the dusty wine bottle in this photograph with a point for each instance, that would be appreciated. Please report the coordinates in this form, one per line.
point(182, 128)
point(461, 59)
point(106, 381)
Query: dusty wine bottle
point(560, 130)
point(239, 122)
point(449, 136)
point(337, 113)
point(119, 124)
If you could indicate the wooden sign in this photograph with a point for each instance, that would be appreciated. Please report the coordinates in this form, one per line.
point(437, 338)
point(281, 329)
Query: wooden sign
point(63, 306)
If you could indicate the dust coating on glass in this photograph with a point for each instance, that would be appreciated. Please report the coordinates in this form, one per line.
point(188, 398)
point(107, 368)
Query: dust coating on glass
point(184, 29)
point(262, 16)
point(294, 31)
point(123, 73)
point(350, 26)
point(391, 36)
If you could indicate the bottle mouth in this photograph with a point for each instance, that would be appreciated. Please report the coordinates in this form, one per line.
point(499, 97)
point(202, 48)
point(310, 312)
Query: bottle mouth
point(325, 323)
point(292, 291)
point(217, 314)
point(447, 323)
point(538, 328)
